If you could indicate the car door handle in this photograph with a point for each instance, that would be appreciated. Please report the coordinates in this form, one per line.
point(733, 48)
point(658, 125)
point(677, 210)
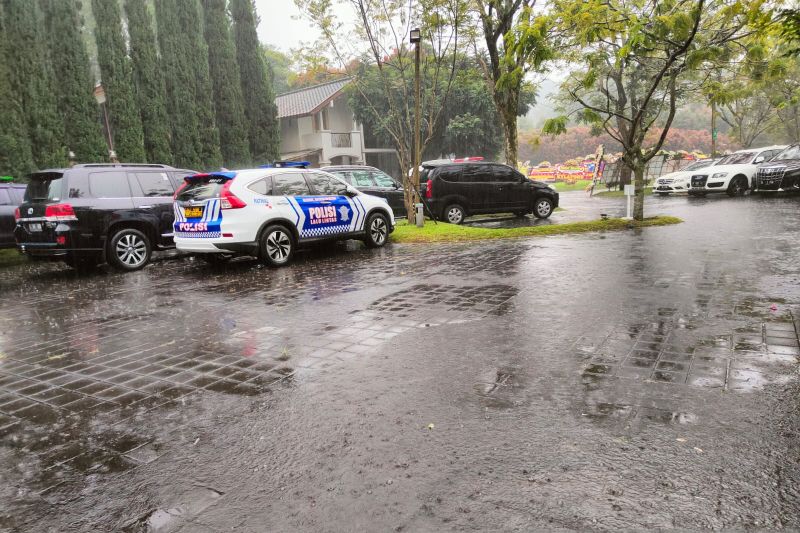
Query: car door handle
point(145, 207)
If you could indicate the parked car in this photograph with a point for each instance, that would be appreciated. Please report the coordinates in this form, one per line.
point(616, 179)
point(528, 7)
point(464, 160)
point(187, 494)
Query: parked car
point(372, 181)
point(269, 212)
point(733, 174)
point(88, 214)
point(678, 182)
point(11, 195)
point(781, 174)
point(454, 191)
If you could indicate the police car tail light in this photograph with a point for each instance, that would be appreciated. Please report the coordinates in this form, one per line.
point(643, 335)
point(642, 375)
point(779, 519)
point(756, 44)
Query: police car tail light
point(183, 186)
point(429, 189)
point(228, 200)
point(17, 215)
point(59, 212)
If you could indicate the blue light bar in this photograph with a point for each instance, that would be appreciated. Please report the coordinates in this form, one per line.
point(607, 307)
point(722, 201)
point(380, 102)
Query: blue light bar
point(287, 164)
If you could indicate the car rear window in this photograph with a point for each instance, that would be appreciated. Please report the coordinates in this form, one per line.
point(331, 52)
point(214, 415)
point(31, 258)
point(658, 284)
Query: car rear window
point(202, 188)
point(47, 187)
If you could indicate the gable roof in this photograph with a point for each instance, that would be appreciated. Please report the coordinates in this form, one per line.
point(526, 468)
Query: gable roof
point(309, 100)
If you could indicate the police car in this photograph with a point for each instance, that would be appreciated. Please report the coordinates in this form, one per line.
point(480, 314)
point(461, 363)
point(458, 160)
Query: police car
point(269, 212)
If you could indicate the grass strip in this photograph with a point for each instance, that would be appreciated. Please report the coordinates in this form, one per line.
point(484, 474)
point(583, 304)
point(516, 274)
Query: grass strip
point(441, 232)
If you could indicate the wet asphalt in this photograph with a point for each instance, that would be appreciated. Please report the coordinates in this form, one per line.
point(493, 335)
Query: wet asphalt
point(636, 380)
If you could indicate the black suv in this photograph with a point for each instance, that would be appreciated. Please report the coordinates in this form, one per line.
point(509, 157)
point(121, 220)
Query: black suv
point(10, 197)
point(782, 173)
point(370, 180)
point(88, 214)
point(453, 191)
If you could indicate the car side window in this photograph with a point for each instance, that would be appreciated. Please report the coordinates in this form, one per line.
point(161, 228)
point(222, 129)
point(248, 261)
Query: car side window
point(503, 174)
point(262, 186)
point(382, 180)
point(289, 185)
point(155, 183)
point(78, 185)
point(452, 174)
point(5, 197)
point(109, 185)
point(362, 178)
point(325, 185)
point(343, 175)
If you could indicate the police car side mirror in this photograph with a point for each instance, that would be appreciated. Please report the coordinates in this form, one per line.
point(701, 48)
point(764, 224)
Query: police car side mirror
point(349, 191)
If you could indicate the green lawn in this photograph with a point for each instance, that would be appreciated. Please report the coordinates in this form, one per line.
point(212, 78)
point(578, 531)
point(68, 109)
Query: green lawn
point(442, 232)
point(617, 194)
point(580, 185)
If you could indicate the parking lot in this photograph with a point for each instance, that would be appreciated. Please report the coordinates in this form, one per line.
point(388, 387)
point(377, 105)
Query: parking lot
point(644, 379)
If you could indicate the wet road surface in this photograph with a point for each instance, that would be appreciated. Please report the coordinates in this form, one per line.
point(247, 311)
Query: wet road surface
point(634, 380)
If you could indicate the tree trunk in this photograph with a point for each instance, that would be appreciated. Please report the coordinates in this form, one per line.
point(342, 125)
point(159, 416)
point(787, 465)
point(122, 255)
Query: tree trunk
point(624, 175)
point(638, 200)
point(510, 130)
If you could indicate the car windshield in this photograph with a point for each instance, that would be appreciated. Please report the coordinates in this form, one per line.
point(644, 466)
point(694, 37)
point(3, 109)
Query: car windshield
point(793, 152)
point(700, 164)
point(739, 158)
point(45, 187)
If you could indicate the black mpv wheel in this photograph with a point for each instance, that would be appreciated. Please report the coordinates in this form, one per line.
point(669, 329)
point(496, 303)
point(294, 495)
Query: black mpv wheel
point(543, 208)
point(129, 249)
point(377, 230)
point(454, 214)
point(277, 246)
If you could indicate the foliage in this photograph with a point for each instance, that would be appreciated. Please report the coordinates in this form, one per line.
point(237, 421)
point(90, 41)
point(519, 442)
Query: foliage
point(117, 75)
point(15, 148)
point(228, 99)
point(148, 80)
point(442, 232)
point(31, 83)
point(280, 66)
point(259, 98)
point(518, 41)
point(82, 131)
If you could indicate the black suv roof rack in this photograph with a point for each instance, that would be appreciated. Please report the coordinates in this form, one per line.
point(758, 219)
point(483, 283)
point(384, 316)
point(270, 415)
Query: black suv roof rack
point(113, 165)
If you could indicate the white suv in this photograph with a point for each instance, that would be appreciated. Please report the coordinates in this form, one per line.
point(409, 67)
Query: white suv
point(267, 213)
point(733, 174)
point(678, 182)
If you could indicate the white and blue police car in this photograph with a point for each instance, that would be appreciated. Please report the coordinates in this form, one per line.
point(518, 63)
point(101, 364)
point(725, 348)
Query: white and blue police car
point(269, 212)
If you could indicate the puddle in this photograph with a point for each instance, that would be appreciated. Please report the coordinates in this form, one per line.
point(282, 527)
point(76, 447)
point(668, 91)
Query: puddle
point(170, 518)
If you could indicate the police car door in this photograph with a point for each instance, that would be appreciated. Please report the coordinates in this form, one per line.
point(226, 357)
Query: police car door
point(330, 211)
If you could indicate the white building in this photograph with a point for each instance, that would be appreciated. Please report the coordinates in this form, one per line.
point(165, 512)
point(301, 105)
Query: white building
point(317, 125)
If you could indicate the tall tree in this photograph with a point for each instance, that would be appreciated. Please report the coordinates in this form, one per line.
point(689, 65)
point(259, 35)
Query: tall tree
point(518, 41)
point(638, 61)
point(117, 75)
point(224, 71)
point(83, 133)
point(15, 147)
point(148, 82)
point(259, 98)
point(280, 66)
point(31, 79)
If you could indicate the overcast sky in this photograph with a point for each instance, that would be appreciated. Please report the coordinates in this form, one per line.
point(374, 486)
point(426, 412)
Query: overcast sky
point(281, 26)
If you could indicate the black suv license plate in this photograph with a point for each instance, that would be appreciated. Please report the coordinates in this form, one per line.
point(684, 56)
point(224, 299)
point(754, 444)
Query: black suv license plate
point(35, 227)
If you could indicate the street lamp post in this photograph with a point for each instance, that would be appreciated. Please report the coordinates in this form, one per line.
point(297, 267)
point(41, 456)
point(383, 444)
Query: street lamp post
point(415, 38)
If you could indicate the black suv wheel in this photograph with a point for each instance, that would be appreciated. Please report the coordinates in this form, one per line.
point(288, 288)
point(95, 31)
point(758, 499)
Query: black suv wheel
point(454, 214)
point(543, 207)
point(129, 249)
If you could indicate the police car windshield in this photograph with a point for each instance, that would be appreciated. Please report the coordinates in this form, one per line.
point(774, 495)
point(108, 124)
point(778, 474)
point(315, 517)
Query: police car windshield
point(201, 188)
point(45, 187)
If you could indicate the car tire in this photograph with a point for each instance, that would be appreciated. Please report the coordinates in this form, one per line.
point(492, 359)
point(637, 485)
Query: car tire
point(542, 207)
point(737, 186)
point(277, 245)
point(129, 249)
point(454, 214)
point(377, 230)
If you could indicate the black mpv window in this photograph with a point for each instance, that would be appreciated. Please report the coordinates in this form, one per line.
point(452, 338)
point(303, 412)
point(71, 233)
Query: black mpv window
point(476, 174)
point(451, 174)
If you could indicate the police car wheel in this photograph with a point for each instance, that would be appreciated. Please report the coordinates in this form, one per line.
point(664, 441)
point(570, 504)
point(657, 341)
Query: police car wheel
point(377, 231)
point(129, 249)
point(277, 246)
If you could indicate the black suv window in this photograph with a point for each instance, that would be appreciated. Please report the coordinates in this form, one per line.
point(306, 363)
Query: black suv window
point(476, 173)
point(289, 185)
point(154, 183)
point(382, 180)
point(325, 184)
point(451, 174)
point(109, 185)
point(362, 178)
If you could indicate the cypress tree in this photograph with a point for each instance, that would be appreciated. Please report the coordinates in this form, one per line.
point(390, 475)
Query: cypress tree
point(15, 147)
point(148, 82)
point(227, 92)
point(259, 100)
point(31, 80)
point(190, 20)
point(117, 76)
point(179, 87)
point(83, 133)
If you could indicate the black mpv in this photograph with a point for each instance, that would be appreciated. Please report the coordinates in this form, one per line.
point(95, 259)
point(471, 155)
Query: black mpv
point(95, 213)
point(454, 191)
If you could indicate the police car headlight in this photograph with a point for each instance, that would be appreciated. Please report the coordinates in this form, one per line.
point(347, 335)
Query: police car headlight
point(719, 175)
